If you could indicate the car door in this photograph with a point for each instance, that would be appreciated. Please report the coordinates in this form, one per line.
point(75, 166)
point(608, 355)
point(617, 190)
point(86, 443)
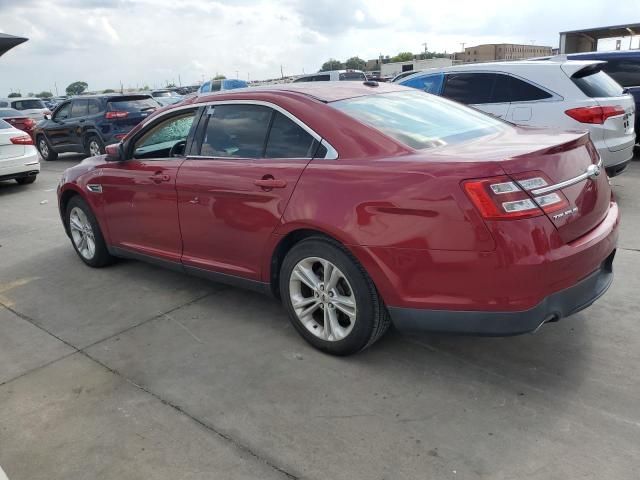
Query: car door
point(139, 193)
point(75, 124)
point(57, 130)
point(233, 191)
point(475, 89)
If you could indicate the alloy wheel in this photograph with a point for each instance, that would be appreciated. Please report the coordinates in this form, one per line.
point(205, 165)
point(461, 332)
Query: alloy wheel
point(82, 233)
point(44, 148)
point(322, 299)
point(94, 148)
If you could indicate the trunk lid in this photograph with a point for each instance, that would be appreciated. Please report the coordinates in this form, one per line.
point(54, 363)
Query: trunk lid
point(7, 149)
point(567, 161)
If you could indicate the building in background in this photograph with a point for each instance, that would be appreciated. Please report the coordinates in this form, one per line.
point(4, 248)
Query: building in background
point(392, 69)
point(576, 41)
point(492, 52)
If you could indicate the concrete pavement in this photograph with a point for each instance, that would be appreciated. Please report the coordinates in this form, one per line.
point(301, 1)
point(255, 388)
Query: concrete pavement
point(134, 372)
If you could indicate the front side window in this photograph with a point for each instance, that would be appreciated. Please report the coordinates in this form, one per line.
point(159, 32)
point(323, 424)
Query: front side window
point(166, 138)
point(287, 139)
point(216, 86)
point(79, 108)
point(428, 83)
point(469, 88)
point(420, 121)
point(63, 112)
point(236, 131)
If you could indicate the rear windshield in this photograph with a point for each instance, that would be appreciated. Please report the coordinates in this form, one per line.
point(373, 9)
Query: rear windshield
point(10, 112)
point(420, 120)
point(28, 104)
point(133, 105)
point(161, 94)
point(352, 76)
point(595, 83)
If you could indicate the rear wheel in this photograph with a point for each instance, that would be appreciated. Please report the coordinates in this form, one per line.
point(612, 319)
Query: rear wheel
point(330, 299)
point(26, 180)
point(46, 152)
point(85, 234)
point(94, 146)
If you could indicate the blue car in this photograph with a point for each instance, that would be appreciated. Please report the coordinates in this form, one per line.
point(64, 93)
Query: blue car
point(218, 85)
point(624, 67)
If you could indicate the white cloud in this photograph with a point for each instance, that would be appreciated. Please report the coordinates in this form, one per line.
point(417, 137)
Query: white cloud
point(149, 42)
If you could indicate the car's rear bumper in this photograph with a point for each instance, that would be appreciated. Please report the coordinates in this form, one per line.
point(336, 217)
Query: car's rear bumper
point(554, 307)
point(616, 160)
point(24, 166)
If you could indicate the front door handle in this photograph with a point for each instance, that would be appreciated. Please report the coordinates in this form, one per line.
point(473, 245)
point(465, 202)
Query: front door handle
point(160, 177)
point(269, 183)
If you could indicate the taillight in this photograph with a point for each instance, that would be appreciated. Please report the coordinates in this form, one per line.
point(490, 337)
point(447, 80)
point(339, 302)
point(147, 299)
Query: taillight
point(29, 123)
point(114, 115)
point(596, 115)
point(502, 198)
point(22, 140)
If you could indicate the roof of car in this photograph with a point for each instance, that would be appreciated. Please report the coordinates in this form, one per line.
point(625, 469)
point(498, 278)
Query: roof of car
point(323, 91)
point(610, 53)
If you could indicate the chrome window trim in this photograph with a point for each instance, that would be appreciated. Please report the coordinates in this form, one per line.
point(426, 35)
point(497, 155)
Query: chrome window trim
point(332, 153)
point(592, 171)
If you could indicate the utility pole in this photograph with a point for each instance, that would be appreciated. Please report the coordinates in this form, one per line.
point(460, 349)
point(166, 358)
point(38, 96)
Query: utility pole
point(425, 47)
point(237, 73)
point(179, 80)
point(463, 44)
point(281, 74)
point(55, 84)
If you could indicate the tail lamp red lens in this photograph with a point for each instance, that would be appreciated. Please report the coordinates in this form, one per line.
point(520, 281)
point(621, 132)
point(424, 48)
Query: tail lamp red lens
point(503, 197)
point(22, 140)
point(116, 114)
point(595, 115)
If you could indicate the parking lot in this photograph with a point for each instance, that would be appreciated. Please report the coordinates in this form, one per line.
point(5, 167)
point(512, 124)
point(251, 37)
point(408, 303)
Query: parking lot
point(135, 372)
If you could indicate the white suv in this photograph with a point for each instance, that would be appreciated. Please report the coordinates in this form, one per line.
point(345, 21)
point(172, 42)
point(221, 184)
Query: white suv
point(31, 107)
point(333, 76)
point(565, 94)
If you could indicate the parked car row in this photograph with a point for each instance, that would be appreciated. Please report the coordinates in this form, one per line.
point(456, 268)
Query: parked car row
point(31, 107)
point(358, 205)
point(18, 157)
point(560, 94)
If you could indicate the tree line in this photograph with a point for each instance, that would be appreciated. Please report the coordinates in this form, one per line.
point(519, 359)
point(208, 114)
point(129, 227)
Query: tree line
point(357, 63)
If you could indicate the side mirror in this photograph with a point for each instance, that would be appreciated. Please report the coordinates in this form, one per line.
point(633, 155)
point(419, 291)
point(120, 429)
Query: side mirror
point(47, 116)
point(114, 152)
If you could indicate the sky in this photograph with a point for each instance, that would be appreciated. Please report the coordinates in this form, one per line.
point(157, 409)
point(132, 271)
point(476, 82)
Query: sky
point(151, 42)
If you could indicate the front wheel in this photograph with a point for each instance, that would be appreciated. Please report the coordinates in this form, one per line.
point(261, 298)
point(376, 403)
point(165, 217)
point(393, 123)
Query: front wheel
point(26, 180)
point(331, 300)
point(46, 152)
point(94, 146)
point(85, 234)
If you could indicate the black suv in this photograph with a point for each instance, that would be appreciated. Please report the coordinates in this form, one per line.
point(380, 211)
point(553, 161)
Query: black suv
point(86, 124)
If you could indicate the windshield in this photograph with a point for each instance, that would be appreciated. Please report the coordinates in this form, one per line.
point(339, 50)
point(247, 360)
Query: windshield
point(28, 104)
point(420, 120)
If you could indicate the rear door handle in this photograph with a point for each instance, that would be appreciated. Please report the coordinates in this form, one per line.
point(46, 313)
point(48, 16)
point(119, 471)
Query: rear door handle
point(160, 177)
point(269, 183)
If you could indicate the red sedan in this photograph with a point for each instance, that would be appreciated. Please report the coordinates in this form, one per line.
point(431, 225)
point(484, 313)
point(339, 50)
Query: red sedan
point(18, 120)
point(357, 205)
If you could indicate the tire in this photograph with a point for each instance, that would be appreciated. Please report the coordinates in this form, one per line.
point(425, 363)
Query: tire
point(350, 328)
point(78, 210)
point(26, 180)
point(93, 145)
point(45, 149)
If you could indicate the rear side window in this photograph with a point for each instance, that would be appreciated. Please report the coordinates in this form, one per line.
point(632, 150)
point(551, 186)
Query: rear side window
point(132, 105)
point(236, 131)
point(28, 104)
point(595, 83)
point(624, 71)
point(522, 91)
point(79, 108)
point(320, 78)
point(352, 76)
point(94, 107)
point(418, 120)
point(287, 139)
point(469, 88)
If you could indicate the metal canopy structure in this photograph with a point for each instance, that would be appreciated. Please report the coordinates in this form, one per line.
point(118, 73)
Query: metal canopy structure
point(7, 42)
point(576, 41)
